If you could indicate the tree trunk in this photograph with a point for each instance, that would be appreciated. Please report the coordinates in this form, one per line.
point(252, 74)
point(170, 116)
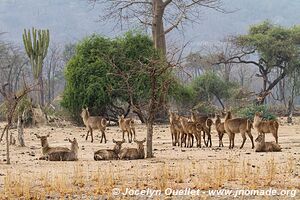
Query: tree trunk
point(42, 96)
point(20, 128)
point(7, 144)
point(140, 116)
point(149, 139)
point(158, 33)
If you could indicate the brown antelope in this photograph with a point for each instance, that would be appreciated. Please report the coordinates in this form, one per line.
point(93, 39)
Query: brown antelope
point(46, 149)
point(175, 128)
point(262, 146)
point(70, 155)
point(262, 127)
point(127, 125)
point(94, 122)
point(237, 125)
point(109, 154)
point(220, 129)
point(187, 137)
point(133, 153)
point(206, 124)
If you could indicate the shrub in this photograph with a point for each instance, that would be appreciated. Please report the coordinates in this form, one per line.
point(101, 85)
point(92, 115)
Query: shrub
point(249, 111)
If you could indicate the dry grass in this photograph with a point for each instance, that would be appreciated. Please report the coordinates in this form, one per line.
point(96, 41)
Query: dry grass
point(217, 175)
point(172, 167)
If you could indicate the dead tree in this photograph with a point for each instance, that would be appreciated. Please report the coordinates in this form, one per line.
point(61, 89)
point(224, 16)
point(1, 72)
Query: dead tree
point(162, 16)
point(11, 101)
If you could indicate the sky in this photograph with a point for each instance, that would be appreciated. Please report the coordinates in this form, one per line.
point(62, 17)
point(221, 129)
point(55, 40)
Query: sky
point(71, 20)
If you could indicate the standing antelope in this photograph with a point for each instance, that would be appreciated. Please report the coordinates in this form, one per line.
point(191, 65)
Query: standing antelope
point(69, 155)
point(133, 153)
point(187, 136)
point(262, 146)
point(93, 122)
point(220, 129)
point(175, 128)
point(262, 127)
point(109, 154)
point(127, 125)
point(237, 125)
point(206, 124)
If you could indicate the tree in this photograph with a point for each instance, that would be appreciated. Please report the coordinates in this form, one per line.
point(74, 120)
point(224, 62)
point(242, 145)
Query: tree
point(12, 100)
point(162, 16)
point(36, 49)
point(210, 85)
point(109, 74)
point(271, 48)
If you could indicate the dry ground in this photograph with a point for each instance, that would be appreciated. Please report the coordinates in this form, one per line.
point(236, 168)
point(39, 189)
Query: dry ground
point(172, 167)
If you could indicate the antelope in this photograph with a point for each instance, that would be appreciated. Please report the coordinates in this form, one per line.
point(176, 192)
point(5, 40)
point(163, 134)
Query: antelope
point(133, 153)
point(206, 124)
point(186, 134)
point(175, 128)
point(70, 155)
point(127, 125)
point(262, 146)
point(46, 149)
point(220, 129)
point(94, 122)
point(263, 127)
point(109, 154)
point(237, 125)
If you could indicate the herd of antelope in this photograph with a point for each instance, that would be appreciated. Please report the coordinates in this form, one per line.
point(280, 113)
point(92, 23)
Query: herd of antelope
point(92, 123)
point(183, 131)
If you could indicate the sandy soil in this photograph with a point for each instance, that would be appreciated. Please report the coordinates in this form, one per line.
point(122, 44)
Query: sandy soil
point(173, 167)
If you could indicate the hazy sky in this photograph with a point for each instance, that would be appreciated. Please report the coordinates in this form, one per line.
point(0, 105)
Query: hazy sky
point(71, 20)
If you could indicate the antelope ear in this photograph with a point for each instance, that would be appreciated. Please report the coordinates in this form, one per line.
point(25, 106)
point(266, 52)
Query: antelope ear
point(114, 141)
point(70, 140)
point(48, 135)
point(37, 136)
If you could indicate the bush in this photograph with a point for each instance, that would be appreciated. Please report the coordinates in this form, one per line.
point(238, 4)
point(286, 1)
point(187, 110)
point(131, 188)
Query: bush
point(249, 112)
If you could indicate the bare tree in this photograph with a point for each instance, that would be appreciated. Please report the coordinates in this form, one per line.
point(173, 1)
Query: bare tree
point(162, 16)
point(54, 68)
point(12, 100)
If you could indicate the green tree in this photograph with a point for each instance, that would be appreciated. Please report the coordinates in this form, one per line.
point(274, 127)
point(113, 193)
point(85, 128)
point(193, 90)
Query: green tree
point(210, 85)
point(270, 48)
point(128, 69)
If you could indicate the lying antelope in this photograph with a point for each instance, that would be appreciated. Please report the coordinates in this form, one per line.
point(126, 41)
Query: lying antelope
point(220, 129)
point(109, 154)
point(262, 127)
point(133, 153)
point(237, 125)
point(94, 122)
point(127, 125)
point(46, 149)
point(69, 155)
point(262, 146)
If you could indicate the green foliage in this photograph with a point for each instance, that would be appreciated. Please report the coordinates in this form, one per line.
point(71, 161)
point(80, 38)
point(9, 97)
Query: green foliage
point(206, 108)
point(97, 75)
point(210, 84)
point(274, 44)
point(36, 48)
point(249, 112)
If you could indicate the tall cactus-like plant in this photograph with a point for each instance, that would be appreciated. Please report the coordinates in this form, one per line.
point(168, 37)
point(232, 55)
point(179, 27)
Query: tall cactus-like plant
point(36, 47)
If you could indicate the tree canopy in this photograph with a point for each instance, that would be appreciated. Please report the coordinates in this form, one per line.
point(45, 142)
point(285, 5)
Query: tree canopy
point(273, 49)
point(106, 74)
